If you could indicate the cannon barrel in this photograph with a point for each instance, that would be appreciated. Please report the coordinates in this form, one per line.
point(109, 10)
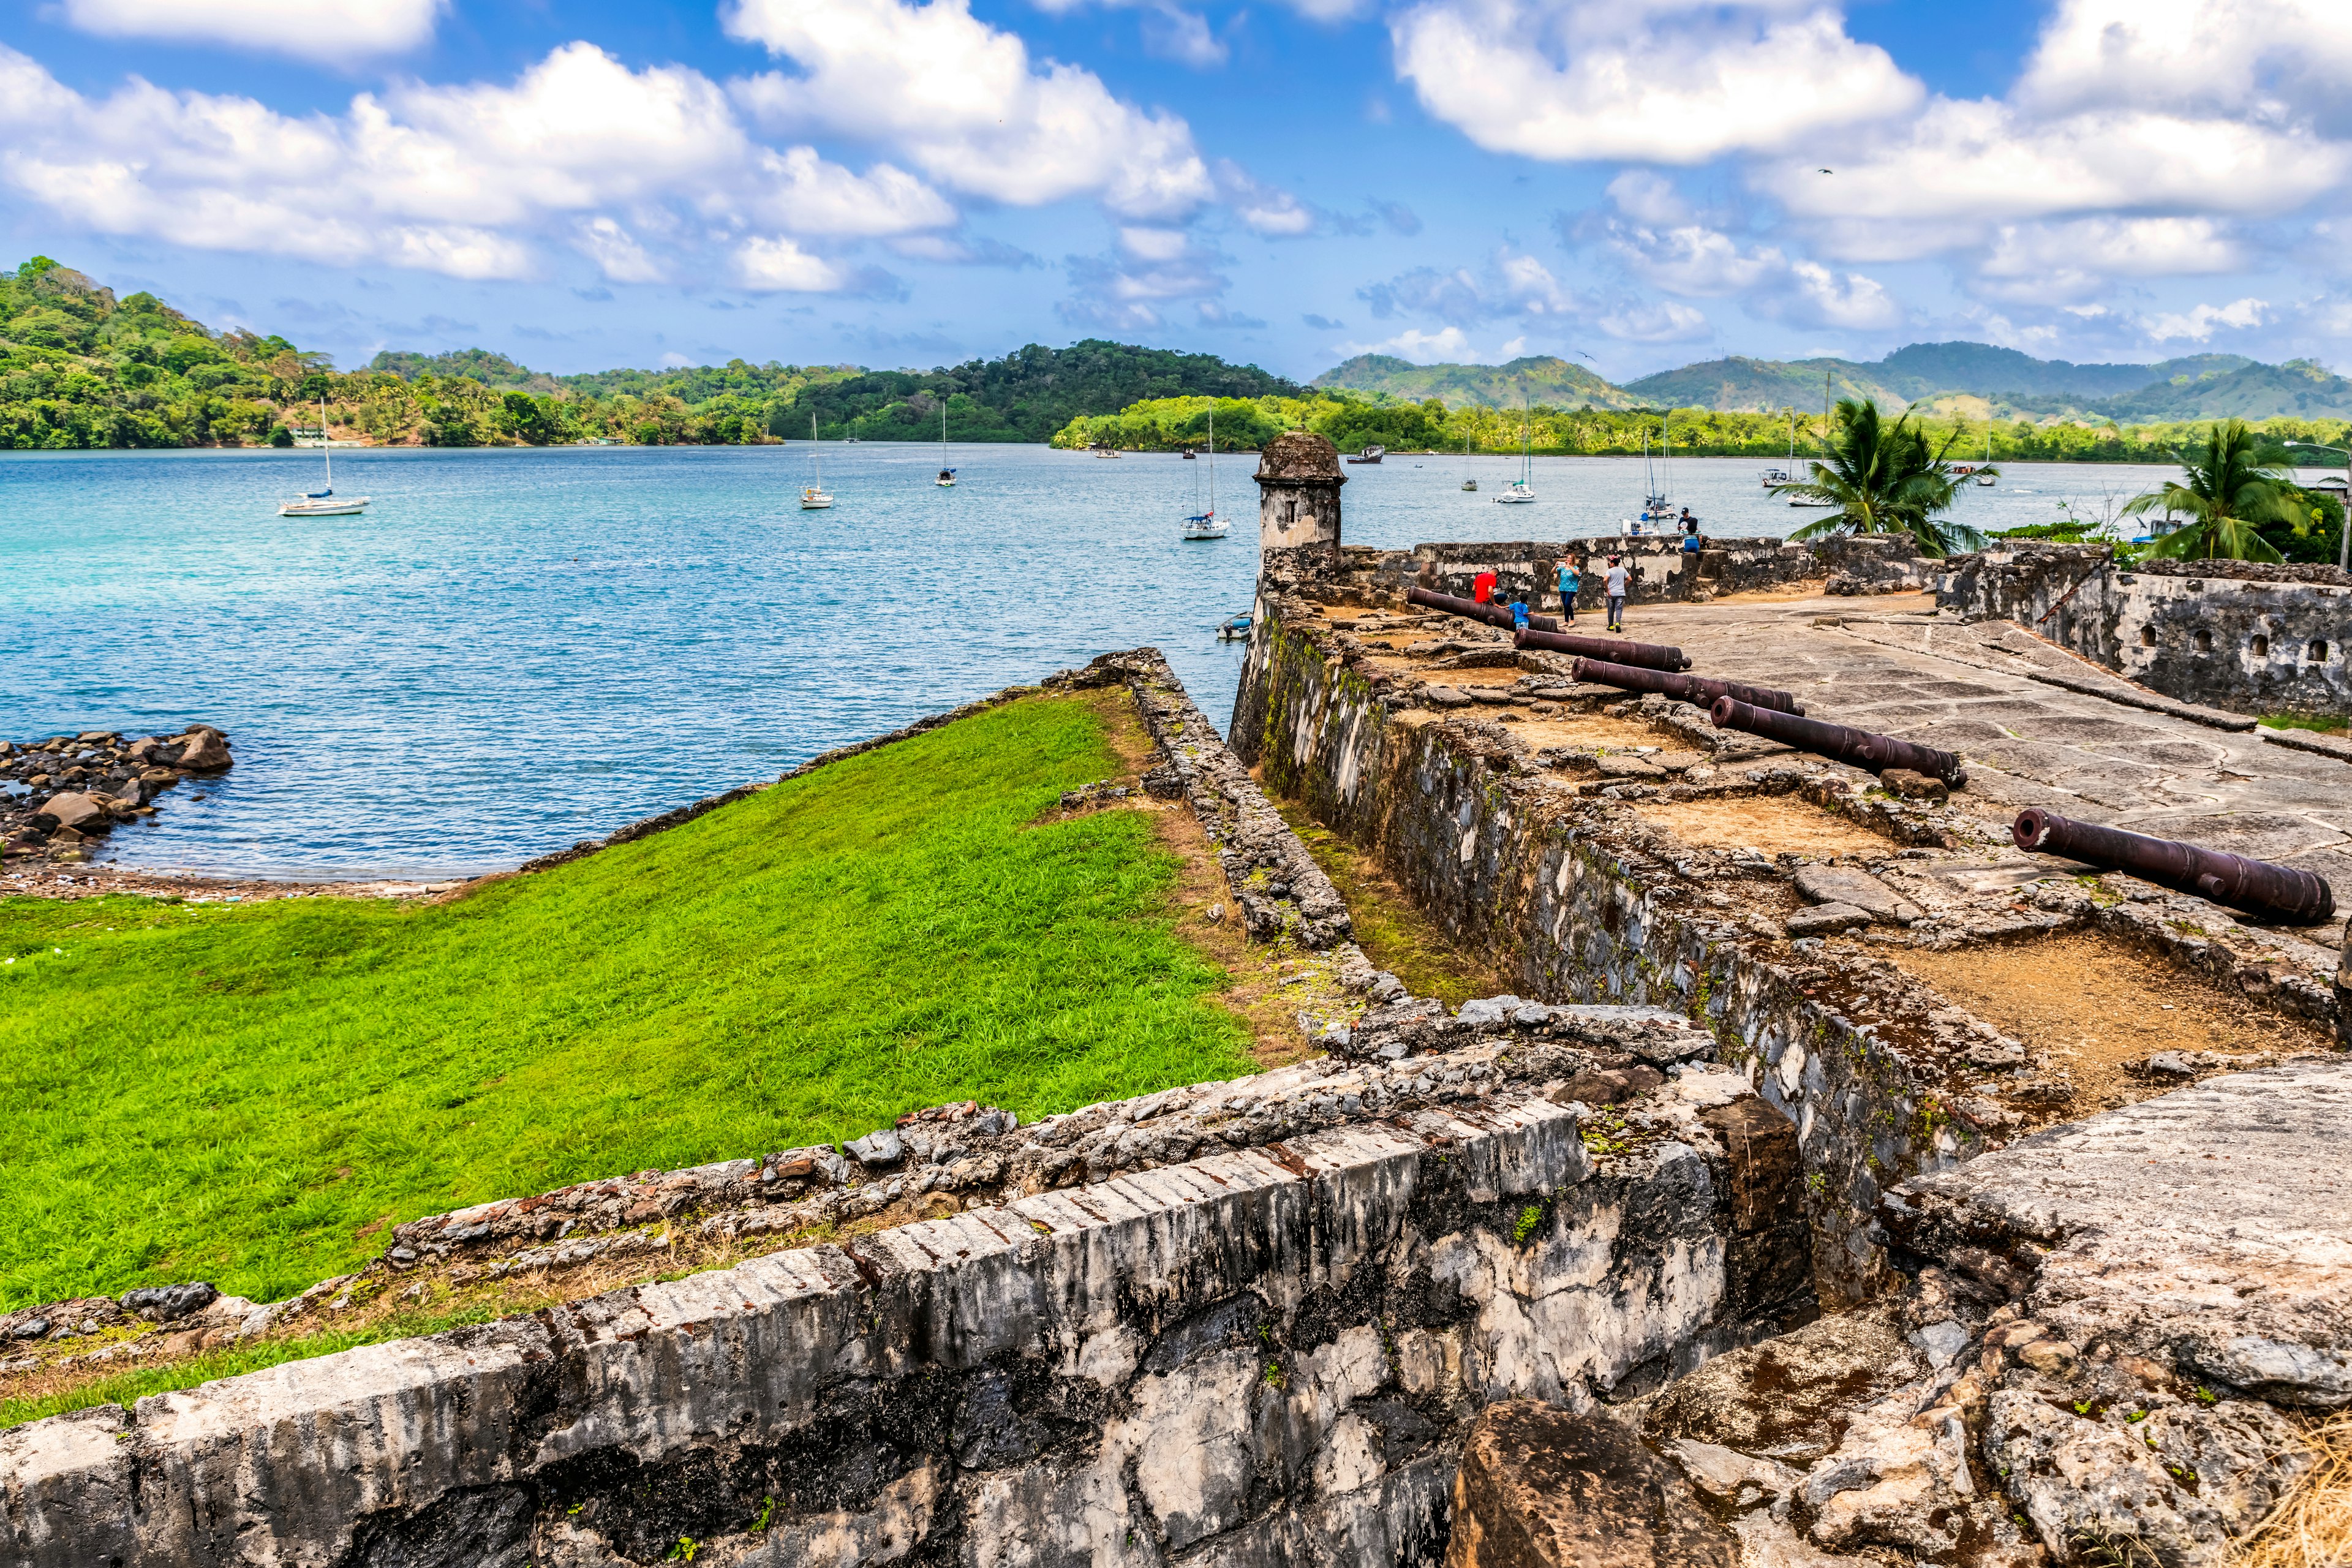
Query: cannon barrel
point(1614, 650)
point(1702, 689)
point(1492, 615)
point(1858, 748)
point(2256, 887)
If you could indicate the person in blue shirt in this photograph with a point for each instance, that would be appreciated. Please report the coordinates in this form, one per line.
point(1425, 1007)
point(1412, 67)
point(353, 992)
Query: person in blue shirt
point(1570, 582)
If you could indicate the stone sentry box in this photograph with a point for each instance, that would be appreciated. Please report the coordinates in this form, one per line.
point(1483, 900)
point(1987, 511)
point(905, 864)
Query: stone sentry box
point(1299, 482)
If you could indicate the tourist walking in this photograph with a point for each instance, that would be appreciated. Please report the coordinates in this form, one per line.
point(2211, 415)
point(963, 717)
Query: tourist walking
point(1570, 583)
point(1613, 582)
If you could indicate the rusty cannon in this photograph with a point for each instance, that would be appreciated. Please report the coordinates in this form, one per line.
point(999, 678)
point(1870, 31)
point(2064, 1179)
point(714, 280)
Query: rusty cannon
point(2255, 887)
point(1613, 650)
point(1857, 748)
point(1494, 615)
point(1702, 689)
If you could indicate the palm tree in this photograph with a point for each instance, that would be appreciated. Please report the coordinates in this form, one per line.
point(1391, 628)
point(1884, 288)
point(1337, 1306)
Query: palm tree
point(2227, 496)
point(1884, 479)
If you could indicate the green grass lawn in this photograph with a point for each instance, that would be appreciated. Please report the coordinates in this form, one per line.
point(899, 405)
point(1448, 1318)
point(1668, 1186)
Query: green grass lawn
point(245, 1093)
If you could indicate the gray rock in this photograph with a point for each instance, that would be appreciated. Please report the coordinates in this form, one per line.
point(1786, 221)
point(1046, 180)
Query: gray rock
point(169, 1303)
point(878, 1150)
point(1857, 889)
point(2178, 1485)
point(1443, 696)
point(1485, 1010)
point(2210, 1227)
point(1823, 919)
point(29, 1328)
point(1942, 1341)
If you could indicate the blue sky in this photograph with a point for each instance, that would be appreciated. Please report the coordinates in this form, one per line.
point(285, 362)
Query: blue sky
point(1639, 182)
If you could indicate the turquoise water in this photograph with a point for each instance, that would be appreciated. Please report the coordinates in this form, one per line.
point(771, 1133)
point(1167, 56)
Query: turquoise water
point(516, 649)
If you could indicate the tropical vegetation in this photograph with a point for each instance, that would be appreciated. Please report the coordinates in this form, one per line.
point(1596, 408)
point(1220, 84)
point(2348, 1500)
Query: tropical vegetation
point(80, 369)
point(1884, 479)
point(2225, 496)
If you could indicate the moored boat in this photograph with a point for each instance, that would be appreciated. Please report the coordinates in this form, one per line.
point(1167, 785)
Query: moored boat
point(324, 502)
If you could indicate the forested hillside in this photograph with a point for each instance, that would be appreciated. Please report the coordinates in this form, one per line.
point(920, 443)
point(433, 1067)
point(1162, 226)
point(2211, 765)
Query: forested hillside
point(2003, 382)
point(79, 368)
point(1539, 378)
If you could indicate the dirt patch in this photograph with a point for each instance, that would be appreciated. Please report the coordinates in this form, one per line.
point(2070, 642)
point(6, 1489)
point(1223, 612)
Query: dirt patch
point(1393, 934)
point(1595, 729)
point(1769, 825)
point(2091, 1007)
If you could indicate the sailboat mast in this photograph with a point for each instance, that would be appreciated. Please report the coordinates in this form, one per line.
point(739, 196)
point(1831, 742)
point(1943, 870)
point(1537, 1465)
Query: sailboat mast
point(1212, 462)
point(326, 445)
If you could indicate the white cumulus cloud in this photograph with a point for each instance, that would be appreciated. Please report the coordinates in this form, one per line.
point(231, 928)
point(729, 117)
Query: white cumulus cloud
point(2067, 261)
point(964, 104)
point(332, 31)
point(2199, 323)
point(1664, 322)
point(1656, 82)
point(775, 263)
point(464, 179)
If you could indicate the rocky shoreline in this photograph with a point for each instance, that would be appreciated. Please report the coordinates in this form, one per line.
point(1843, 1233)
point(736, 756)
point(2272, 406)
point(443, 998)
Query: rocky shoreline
point(76, 789)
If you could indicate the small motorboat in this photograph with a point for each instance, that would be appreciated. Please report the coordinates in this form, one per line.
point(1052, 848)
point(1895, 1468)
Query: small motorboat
point(1234, 628)
point(1369, 455)
point(1471, 485)
point(1771, 477)
point(1190, 455)
point(1105, 449)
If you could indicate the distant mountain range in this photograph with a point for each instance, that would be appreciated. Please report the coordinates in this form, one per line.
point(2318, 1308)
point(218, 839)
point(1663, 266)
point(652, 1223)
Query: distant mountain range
point(1978, 380)
point(1539, 378)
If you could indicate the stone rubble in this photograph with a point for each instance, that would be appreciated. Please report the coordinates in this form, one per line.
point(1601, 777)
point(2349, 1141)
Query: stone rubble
point(60, 795)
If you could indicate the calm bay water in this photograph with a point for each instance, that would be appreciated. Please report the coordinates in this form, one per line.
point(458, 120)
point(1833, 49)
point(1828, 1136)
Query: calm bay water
point(516, 649)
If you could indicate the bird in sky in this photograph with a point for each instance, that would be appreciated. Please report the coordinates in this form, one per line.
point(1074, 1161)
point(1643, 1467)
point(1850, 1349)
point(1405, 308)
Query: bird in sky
point(1824, 171)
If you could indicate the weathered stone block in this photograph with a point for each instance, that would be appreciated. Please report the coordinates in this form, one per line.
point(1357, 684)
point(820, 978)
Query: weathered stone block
point(1540, 1487)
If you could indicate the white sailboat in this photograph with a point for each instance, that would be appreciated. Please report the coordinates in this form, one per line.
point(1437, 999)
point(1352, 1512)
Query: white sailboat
point(324, 502)
point(947, 475)
point(813, 497)
point(1986, 478)
point(1656, 508)
point(1207, 524)
point(1521, 490)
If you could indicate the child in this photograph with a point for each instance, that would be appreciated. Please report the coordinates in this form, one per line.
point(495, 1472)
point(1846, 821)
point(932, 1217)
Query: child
point(1518, 615)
